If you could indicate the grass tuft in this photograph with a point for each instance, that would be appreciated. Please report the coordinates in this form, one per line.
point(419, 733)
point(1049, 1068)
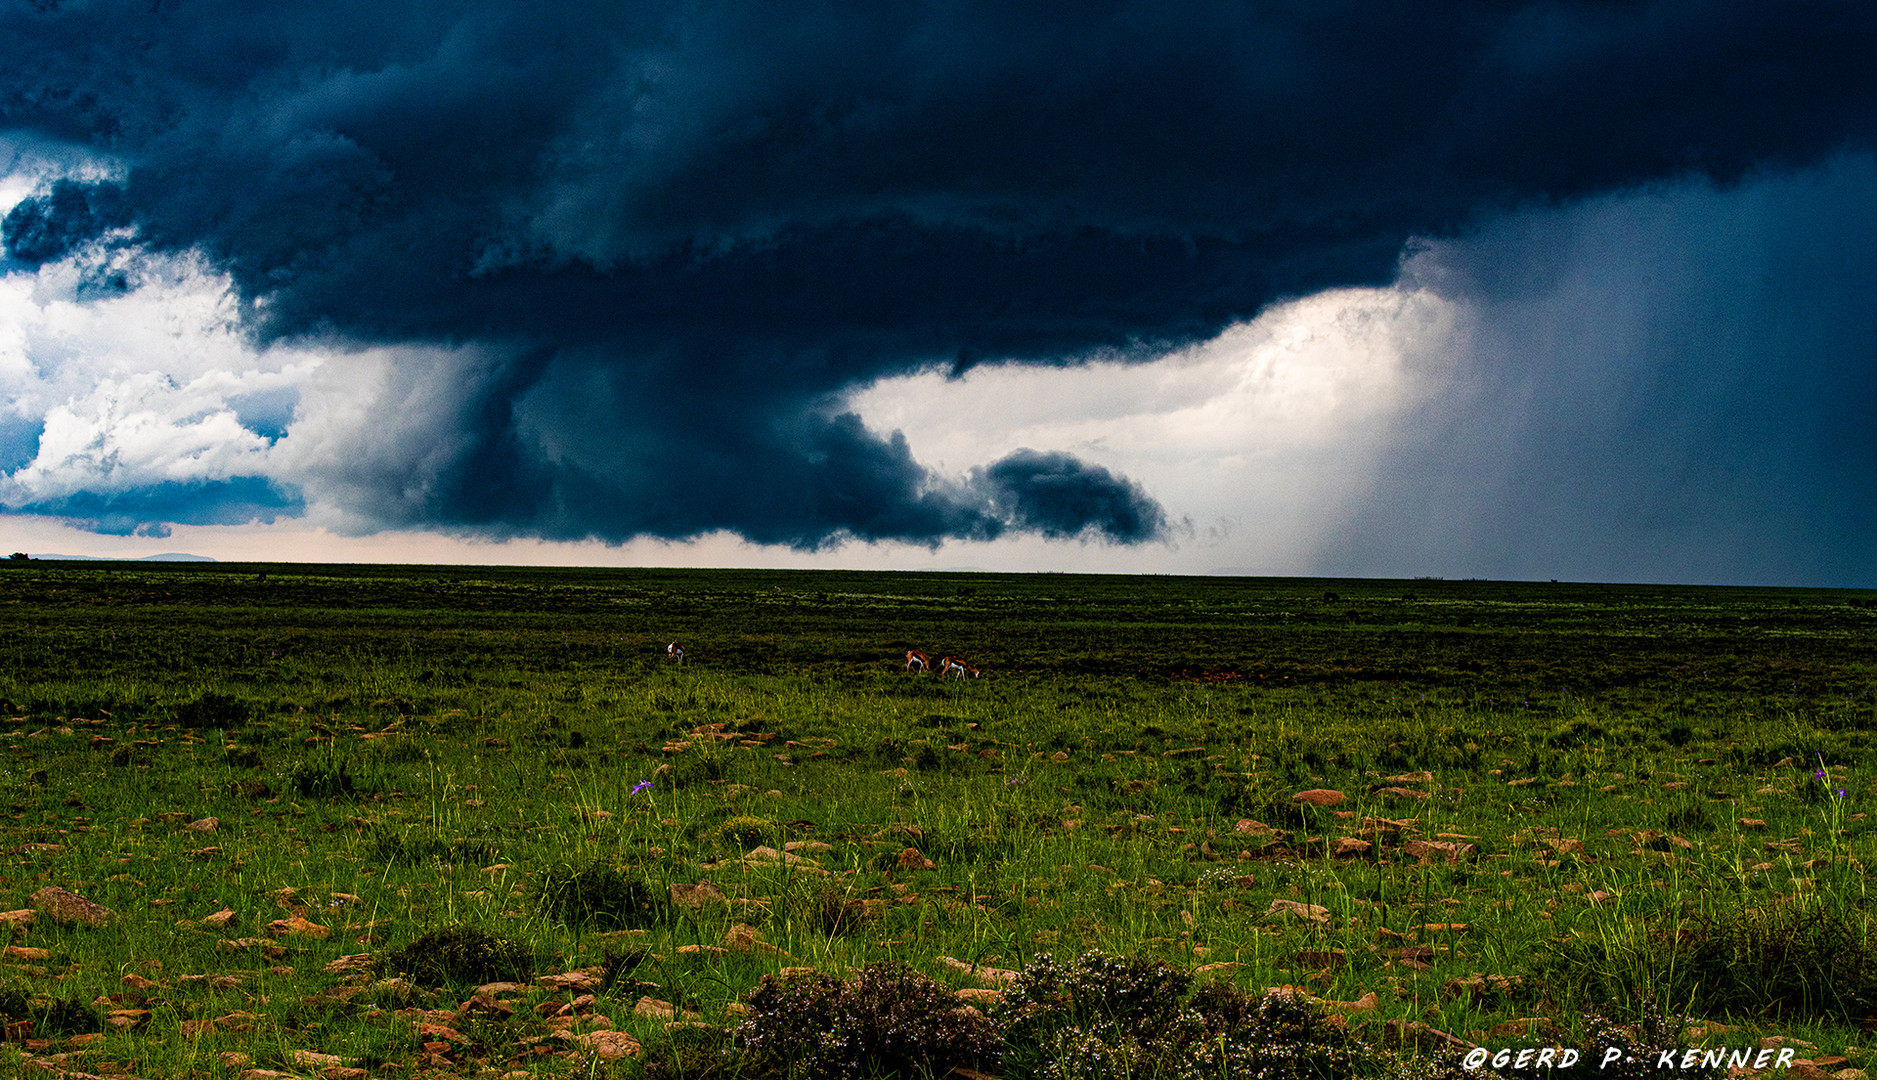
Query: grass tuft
point(462, 956)
point(598, 895)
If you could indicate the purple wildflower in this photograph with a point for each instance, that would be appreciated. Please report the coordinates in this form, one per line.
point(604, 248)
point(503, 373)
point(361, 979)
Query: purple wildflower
point(643, 785)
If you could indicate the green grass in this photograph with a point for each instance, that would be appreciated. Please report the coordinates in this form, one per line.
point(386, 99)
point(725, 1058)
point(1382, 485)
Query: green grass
point(422, 762)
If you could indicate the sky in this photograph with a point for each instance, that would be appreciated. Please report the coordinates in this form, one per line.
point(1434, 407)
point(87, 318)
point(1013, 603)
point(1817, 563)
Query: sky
point(1572, 290)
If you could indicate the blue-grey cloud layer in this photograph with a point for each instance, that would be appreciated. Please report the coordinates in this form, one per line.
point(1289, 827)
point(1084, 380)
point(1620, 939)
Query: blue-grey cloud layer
point(692, 226)
point(1679, 386)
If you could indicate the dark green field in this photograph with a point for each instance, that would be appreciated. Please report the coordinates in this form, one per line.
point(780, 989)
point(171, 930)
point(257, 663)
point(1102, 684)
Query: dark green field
point(1642, 792)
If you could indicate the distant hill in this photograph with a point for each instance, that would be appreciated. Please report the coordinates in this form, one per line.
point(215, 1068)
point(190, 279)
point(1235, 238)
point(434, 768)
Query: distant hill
point(167, 556)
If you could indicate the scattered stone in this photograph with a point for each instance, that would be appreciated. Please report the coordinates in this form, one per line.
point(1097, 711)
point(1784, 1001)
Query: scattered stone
point(698, 895)
point(69, 907)
point(340, 1072)
point(494, 988)
point(1316, 913)
point(1349, 847)
point(232, 1059)
point(990, 975)
point(346, 965)
point(1752, 823)
point(1319, 797)
point(220, 919)
point(1421, 777)
point(745, 938)
point(608, 1045)
point(1408, 794)
point(652, 1008)
point(579, 982)
point(910, 859)
point(1366, 1003)
point(296, 927)
point(137, 982)
point(126, 1019)
point(20, 919)
point(314, 1060)
point(813, 846)
point(1428, 850)
point(207, 824)
point(978, 995)
point(27, 953)
point(1247, 825)
point(766, 854)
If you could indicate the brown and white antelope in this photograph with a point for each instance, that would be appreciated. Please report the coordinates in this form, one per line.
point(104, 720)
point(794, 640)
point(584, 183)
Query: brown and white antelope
point(674, 651)
point(916, 661)
point(955, 665)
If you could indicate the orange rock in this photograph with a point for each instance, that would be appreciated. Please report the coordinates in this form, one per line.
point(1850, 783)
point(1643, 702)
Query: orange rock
point(1319, 797)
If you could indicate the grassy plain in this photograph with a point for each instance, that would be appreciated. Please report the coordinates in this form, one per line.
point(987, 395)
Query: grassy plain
point(1601, 793)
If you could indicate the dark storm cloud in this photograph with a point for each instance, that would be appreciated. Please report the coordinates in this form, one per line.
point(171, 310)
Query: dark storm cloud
point(692, 227)
point(1677, 387)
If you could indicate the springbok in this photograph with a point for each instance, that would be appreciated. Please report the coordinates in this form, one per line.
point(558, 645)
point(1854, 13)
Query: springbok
point(955, 665)
point(674, 651)
point(916, 661)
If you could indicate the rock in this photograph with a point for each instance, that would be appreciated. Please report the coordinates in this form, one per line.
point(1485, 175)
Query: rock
point(314, 1060)
point(745, 938)
point(340, 1072)
point(207, 824)
point(653, 1009)
point(1349, 847)
point(1319, 797)
point(220, 919)
point(126, 1019)
point(578, 982)
point(68, 907)
point(910, 859)
point(1401, 793)
point(1314, 912)
point(345, 965)
point(990, 975)
point(978, 995)
point(27, 953)
point(608, 1045)
point(495, 988)
point(1322, 959)
point(20, 919)
point(1428, 850)
point(698, 895)
point(1366, 1003)
point(296, 927)
point(1422, 777)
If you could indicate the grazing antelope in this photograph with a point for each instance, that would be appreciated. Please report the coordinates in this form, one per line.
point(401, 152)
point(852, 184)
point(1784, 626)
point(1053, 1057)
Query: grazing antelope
point(954, 665)
point(674, 651)
point(916, 661)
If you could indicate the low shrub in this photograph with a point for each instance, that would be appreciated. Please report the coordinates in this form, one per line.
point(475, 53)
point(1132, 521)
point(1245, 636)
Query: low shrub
point(889, 1020)
point(598, 895)
point(1101, 1017)
point(461, 956)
